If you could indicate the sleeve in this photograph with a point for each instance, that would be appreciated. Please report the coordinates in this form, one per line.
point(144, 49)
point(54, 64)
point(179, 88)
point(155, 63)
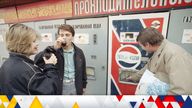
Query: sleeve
point(38, 60)
point(44, 83)
point(39, 57)
point(179, 72)
point(84, 72)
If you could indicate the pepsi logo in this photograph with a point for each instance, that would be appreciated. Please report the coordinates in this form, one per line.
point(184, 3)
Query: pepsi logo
point(128, 57)
point(155, 24)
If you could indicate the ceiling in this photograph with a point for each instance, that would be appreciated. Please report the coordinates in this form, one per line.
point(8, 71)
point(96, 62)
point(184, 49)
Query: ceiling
point(9, 3)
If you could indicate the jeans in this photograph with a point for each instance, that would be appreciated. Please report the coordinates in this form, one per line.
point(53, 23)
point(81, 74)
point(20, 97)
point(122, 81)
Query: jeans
point(69, 87)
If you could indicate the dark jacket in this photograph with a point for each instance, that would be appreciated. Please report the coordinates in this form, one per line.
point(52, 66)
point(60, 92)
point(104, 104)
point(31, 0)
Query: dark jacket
point(19, 76)
point(80, 67)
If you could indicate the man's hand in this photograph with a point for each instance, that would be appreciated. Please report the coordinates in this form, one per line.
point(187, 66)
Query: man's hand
point(58, 42)
point(131, 79)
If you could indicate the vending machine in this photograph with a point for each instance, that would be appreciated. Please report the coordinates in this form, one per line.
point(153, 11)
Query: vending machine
point(125, 56)
point(4, 53)
point(91, 37)
point(180, 28)
point(48, 31)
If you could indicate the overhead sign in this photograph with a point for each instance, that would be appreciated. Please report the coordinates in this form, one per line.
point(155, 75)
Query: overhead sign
point(45, 10)
point(96, 7)
point(8, 15)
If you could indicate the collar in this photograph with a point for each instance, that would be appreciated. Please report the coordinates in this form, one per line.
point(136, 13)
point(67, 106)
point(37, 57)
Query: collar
point(21, 56)
point(161, 47)
point(69, 51)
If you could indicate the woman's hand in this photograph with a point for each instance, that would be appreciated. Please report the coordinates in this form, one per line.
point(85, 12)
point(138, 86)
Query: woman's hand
point(51, 60)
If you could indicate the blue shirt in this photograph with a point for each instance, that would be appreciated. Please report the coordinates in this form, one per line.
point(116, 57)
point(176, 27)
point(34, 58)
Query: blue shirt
point(69, 64)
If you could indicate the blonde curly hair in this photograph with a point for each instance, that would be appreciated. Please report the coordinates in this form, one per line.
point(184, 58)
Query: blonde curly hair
point(19, 38)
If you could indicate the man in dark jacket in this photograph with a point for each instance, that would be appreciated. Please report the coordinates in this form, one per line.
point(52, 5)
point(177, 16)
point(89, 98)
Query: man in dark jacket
point(71, 63)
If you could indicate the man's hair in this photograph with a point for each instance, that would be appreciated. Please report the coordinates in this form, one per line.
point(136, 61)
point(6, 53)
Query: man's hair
point(66, 27)
point(19, 38)
point(150, 35)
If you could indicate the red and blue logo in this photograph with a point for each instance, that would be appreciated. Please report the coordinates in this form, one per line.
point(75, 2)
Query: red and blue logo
point(128, 57)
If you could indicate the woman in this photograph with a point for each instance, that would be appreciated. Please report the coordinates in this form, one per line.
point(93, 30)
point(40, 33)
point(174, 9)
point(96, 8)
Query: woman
point(18, 74)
